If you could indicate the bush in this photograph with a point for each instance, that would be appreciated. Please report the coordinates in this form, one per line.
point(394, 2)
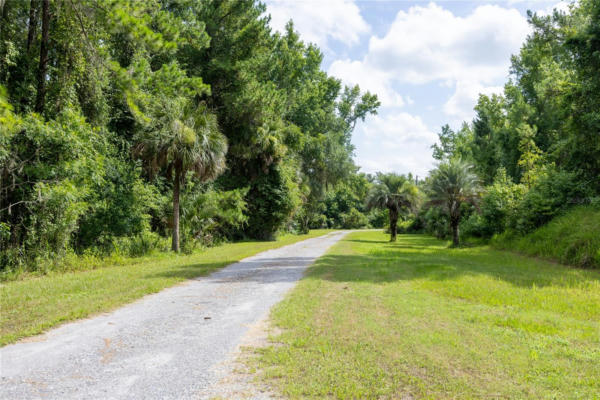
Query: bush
point(436, 223)
point(509, 206)
point(52, 166)
point(473, 226)
point(141, 244)
point(53, 218)
point(317, 221)
point(209, 216)
point(354, 220)
point(378, 218)
point(553, 192)
point(344, 208)
point(498, 205)
point(405, 226)
point(119, 205)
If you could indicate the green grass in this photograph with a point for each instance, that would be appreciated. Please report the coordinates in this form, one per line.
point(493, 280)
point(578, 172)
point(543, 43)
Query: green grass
point(416, 319)
point(572, 238)
point(32, 305)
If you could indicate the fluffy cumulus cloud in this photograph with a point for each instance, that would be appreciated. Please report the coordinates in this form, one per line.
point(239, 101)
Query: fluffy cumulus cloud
point(562, 6)
point(460, 105)
point(368, 78)
point(425, 45)
point(394, 141)
point(430, 43)
point(320, 21)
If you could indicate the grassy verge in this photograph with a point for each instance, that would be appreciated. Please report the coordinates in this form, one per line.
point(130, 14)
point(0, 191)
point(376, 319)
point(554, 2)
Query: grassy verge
point(416, 319)
point(32, 305)
point(572, 238)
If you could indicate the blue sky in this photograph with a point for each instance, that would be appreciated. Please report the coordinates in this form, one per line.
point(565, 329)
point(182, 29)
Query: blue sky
point(427, 62)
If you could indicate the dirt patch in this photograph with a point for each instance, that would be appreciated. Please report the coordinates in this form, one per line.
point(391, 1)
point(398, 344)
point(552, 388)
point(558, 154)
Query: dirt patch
point(34, 339)
point(106, 352)
point(240, 382)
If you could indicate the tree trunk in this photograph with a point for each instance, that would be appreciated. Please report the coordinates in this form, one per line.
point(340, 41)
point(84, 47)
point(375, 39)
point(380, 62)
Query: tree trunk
point(32, 24)
point(176, 190)
point(393, 224)
point(40, 100)
point(455, 238)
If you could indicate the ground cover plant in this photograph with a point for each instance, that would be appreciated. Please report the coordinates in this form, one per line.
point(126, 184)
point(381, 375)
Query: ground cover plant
point(572, 238)
point(417, 319)
point(32, 305)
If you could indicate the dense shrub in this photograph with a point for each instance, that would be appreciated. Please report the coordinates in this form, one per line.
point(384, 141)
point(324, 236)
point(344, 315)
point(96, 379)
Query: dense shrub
point(63, 159)
point(354, 219)
point(120, 204)
point(138, 245)
point(210, 216)
point(553, 192)
point(436, 222)
point(497, 206)
point(344, 208)
point(378, 218)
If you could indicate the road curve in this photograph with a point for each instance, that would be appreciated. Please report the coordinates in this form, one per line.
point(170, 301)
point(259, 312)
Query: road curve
point(170, 345)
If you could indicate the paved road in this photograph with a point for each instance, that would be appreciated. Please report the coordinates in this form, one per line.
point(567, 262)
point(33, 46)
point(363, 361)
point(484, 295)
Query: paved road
point(170, 345)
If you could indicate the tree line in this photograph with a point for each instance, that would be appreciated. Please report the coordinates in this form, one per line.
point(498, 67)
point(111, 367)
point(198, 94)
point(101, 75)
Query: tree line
point(129, 127)
point(125, 123)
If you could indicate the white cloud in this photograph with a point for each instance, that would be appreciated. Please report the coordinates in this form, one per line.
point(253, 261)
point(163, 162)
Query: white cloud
point(394, 142)
point(429, 44)
point(460, 105)
point(426, 46)
point(320, 21)
point(397, 129)
point(560, 6)
point(368, 78)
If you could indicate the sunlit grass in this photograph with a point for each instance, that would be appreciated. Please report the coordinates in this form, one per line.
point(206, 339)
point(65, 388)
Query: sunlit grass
point(30, 306)
point(416, 319)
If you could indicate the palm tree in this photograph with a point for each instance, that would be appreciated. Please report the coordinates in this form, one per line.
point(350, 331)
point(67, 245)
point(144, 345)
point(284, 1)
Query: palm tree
point(394, 192)
point(183, 137)
point(451, 184)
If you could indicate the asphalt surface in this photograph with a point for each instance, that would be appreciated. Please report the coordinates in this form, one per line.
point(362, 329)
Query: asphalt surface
point(170, 345)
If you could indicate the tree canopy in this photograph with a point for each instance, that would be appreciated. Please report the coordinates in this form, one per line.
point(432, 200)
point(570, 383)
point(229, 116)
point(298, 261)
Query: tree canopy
point(106, 105)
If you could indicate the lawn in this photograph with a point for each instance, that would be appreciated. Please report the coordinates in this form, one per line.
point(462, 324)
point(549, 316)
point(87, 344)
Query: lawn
point(415, 319)
point(30, 306)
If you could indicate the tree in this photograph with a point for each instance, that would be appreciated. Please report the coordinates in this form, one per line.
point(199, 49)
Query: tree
point(531, 156)
point(454, 144)
point(396, 193)
point(585, 47)
point(184, 138)
point(41, 89)
point(451, 184)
